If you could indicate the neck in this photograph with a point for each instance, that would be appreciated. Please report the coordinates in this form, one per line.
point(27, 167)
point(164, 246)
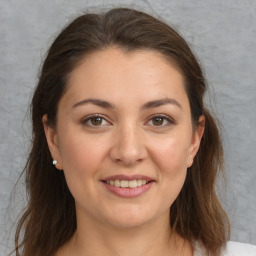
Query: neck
point(154, 238)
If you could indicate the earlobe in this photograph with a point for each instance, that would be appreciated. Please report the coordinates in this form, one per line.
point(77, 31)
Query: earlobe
point(197, 136)
point(52, 141)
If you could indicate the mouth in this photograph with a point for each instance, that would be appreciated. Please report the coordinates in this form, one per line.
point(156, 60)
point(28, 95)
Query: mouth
point(127, 183)
point(128, 186)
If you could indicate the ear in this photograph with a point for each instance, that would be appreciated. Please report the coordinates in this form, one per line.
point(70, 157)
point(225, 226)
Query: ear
point(196, 139)
point(52, 141)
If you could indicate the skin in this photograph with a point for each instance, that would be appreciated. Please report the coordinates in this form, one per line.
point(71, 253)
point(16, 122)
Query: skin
point(127, 140)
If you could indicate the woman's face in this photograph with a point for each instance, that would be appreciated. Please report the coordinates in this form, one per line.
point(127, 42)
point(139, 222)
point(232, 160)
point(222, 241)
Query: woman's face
point(124, 137)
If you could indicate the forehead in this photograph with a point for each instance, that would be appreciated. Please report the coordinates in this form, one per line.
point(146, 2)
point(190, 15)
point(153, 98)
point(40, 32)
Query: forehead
point(117, 74)
point(126, 60)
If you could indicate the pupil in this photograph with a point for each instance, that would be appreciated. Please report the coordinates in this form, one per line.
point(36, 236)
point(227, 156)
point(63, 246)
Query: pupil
point(96, 121)
point(158, 120)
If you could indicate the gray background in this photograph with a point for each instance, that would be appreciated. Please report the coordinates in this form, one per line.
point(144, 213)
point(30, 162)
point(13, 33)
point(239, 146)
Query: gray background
point(223, 36)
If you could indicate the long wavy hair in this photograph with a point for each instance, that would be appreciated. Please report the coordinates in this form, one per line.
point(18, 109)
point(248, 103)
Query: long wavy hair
point(49, 219)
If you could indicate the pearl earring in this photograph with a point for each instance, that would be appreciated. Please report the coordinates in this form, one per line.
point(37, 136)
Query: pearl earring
point(54, 162)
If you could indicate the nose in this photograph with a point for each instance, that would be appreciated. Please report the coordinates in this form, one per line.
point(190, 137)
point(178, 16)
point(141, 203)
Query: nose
point(128, 146)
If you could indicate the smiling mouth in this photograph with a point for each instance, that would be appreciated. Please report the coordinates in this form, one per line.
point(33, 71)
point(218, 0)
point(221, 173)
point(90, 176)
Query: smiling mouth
point(127, 183)
point(126, 186)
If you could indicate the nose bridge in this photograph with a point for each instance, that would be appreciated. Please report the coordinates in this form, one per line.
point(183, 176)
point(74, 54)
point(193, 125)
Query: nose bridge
point(128, 144)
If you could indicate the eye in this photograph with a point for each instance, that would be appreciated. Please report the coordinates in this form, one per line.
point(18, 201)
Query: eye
point(95, 120)
point(161, 121)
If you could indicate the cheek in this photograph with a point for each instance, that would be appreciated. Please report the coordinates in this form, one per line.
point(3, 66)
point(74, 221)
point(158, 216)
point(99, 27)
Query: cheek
point(171, 160)
point(172, 155)
point(81, 155)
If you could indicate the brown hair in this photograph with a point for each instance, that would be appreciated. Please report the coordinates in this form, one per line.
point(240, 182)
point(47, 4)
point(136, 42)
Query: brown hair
point(49, 219)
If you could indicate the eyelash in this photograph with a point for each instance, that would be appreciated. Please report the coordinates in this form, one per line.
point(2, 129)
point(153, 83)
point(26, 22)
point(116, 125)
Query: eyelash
point(169, 120)
point(165, 118)
point(84, 122)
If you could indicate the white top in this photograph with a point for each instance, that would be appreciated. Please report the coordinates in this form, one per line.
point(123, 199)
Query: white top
point(232, 249)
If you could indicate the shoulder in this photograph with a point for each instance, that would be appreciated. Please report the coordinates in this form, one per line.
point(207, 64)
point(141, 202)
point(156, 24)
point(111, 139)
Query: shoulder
point(231, 249)
point(239, 249)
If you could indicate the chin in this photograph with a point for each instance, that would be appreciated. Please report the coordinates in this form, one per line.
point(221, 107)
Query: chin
point(129, 217)
point(128, 223)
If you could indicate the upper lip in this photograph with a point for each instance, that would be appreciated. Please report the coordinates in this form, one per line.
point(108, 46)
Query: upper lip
point(126, 177)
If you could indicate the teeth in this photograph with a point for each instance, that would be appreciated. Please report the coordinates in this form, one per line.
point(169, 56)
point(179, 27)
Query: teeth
point(127, 183)
point(133, 183)
point(117, 183)
point(124, 183)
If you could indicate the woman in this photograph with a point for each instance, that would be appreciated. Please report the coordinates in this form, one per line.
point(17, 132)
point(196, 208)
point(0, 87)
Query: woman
point(124, 155)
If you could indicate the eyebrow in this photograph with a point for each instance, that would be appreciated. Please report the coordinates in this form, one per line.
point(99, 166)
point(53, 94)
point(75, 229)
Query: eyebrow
point(97, 102)
point(148, 105)
point(161, 102)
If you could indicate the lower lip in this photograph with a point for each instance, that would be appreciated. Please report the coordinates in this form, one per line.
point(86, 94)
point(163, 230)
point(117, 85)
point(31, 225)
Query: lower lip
point(129, 192)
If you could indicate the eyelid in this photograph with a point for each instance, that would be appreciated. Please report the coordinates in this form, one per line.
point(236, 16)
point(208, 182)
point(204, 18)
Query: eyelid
point(170, 120)
point(87, 118)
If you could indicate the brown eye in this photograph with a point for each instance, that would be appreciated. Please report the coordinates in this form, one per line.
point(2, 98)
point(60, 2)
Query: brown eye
point(158, 121)
point(96, 121)
point(161, 121)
